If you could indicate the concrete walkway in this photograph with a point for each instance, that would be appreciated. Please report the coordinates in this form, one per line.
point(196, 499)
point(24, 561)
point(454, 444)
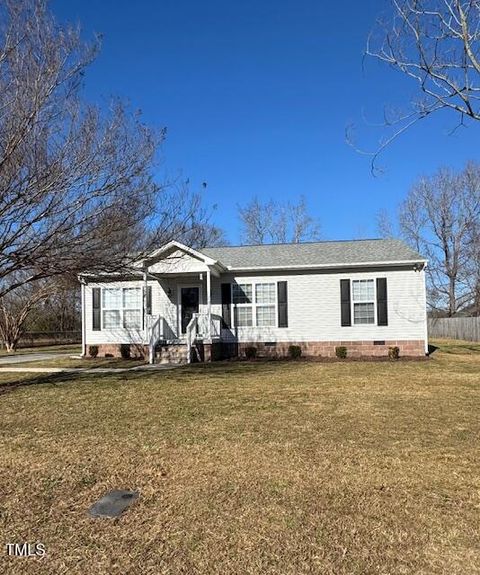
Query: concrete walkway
point(8, 359)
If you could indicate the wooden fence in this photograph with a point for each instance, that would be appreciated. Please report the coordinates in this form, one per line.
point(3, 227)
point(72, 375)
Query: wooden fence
point(455, 328)
point(41, 338)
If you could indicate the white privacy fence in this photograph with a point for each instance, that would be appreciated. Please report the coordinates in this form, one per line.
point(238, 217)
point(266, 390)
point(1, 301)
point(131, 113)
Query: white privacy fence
point(455, 328)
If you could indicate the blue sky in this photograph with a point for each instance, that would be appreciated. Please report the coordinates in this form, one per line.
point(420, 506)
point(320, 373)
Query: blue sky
point(256, 96)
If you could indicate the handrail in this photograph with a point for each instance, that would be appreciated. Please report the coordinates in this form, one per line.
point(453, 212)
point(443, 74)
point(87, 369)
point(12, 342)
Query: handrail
point(208, 324)
point(190, 333)
point(216, 325)
point(155, 334)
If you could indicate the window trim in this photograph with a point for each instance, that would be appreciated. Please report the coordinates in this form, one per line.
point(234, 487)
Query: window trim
point(374, 301)
point(253, 304)
point(120, 309)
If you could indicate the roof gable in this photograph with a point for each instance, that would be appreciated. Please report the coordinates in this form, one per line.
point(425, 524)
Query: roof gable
point(175, 247)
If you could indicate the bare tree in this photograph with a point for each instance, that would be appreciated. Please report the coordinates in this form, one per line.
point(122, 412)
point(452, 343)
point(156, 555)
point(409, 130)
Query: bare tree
point(473, 271)
point(436, 44)
point(384, 223)
point(303, 226)
point(272, 222)
point(473, 247)
point(76, 185)
point(206, 235)
point(257, 221)
point(59, 312)
point(15, 308)
point(440, 218)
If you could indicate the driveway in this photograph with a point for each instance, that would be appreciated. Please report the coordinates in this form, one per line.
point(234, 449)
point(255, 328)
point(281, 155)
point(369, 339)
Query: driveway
point(9, 359)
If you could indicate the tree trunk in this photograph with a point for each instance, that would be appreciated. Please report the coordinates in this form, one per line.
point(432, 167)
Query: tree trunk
point(452, 300)
point(11, 346)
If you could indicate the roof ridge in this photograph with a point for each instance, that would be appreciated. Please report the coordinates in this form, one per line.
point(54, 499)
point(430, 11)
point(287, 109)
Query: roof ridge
point(302, 243)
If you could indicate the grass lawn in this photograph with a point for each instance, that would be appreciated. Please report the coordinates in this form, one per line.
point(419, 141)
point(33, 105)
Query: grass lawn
point(248, 468)
point(85, 363)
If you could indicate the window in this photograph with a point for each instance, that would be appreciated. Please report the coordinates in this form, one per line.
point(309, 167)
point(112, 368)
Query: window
point(111, 304)
point(242, 300)
point(265, 314)
point(111, 318)
point(242, 293)
point(265, 293)
point(363, 290)
point(122, 307)
point(254, 303)
point(132, 308)
point(131, 298)
point(243, 316)
point(363, 296)
point(112, 298)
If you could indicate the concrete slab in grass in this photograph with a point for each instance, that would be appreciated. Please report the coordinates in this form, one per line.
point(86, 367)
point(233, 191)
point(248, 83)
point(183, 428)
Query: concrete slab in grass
point(113, 504)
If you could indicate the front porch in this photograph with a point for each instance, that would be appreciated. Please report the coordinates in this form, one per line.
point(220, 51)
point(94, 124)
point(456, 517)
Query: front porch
point(165, 344)
point(177, 307)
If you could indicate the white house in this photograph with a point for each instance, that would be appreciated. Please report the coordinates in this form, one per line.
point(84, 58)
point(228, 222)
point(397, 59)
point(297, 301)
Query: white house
point(180, 304)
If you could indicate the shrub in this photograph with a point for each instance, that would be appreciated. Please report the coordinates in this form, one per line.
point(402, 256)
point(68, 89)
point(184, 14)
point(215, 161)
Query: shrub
point(250, 352)
point(394, 352)
point(93, 350)
point(125, 350)
point(295, 351)
point(341, 351)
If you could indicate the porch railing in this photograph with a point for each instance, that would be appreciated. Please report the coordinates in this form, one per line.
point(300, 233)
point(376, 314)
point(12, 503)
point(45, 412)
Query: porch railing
point(155, 329)
point(208, 325)
point(190, 335)
point(202, 325)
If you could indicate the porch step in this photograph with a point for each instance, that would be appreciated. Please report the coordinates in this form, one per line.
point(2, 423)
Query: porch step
point(177, 354)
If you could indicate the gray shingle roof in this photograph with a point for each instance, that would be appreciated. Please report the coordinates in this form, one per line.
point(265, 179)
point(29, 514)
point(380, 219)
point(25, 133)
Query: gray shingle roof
point(314, 254)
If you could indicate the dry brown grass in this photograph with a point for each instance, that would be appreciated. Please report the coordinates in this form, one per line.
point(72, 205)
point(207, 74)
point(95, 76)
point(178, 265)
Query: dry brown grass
point(275, 468)
point(73, 348)
point(82, 363)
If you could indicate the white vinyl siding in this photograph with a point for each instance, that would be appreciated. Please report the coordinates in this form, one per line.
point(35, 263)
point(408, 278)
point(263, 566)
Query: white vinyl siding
point(314, 312)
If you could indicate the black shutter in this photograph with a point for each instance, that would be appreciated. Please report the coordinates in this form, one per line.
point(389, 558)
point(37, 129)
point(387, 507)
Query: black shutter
point(148, 303)
point(345, 303)
point(226, 306)
point(282, 299)
point(382, 311)
point(96, 319)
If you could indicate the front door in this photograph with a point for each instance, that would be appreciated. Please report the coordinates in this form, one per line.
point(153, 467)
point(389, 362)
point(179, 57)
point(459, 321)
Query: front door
point(189, 300)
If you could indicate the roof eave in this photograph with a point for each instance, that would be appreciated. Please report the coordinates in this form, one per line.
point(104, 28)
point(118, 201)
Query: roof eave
point(328, 266)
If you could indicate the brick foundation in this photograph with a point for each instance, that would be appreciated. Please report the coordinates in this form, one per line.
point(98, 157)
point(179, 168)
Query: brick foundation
point(408, 348)
point(137, 350)
point(221, 350)
point(212, 351)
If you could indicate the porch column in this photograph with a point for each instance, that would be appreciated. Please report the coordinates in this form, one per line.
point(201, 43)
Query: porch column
point(209, 305)
point(84, 326)
point(144, 304)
